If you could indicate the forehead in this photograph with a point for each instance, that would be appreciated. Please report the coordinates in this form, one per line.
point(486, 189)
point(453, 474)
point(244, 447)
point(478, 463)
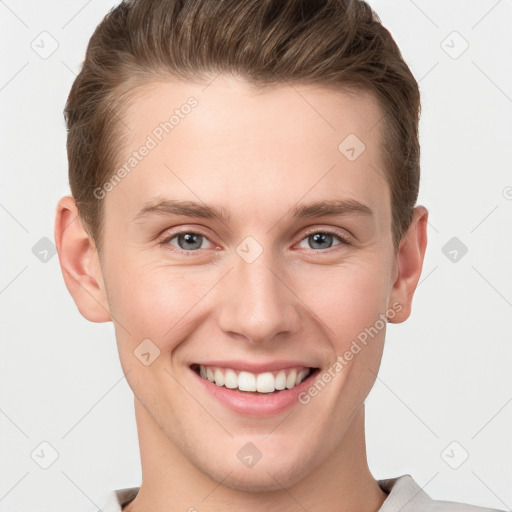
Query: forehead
point(228, 142)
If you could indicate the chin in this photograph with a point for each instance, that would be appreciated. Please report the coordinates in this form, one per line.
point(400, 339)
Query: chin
point(263, 477)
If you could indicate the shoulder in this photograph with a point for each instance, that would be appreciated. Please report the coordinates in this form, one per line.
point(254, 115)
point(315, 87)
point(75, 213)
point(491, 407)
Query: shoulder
point(453, 506)
point(119, 498)
point(405, 495)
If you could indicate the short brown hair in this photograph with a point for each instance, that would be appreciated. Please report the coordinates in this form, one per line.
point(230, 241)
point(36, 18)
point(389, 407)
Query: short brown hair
point(339, 43)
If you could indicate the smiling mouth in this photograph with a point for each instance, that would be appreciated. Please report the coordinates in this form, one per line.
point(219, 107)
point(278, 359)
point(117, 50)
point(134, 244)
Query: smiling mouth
point(254, 383)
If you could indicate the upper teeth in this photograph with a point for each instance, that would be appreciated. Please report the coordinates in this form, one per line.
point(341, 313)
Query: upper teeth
point(266, 382)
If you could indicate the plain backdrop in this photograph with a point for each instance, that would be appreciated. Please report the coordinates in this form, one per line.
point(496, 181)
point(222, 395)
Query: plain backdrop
point(441, 408)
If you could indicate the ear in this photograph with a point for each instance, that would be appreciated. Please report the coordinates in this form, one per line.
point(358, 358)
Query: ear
point(80, 263)
point(409, 264)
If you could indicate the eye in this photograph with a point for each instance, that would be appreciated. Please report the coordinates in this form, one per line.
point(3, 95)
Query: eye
point(191, 241)
point(323, 239)
point(186, 241)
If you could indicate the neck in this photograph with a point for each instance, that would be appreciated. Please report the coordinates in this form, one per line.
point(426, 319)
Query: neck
point(341, 483)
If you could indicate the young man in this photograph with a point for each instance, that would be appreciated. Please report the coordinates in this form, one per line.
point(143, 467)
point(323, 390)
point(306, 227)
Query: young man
point(244, 176)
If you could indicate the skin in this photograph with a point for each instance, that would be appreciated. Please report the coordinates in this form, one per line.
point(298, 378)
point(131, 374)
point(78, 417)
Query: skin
point(256, 154)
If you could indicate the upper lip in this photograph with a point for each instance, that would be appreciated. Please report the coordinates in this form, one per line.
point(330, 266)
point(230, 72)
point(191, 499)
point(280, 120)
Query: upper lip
point(254, 367)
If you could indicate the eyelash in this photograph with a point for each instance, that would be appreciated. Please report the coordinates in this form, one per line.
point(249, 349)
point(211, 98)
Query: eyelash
point(344, 240)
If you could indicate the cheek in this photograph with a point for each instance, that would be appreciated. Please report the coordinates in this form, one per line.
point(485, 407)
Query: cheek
point(351, 298)
point(355, 298)
point(152, 300)
point(155, 304)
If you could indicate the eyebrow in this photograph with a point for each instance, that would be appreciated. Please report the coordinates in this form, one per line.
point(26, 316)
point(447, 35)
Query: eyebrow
point(339, 207)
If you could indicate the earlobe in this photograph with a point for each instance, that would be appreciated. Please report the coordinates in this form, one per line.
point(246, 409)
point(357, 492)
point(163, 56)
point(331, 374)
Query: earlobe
point(409, 262)
point(79, 262)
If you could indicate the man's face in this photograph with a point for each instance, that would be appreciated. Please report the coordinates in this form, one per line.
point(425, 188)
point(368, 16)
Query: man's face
point(262, 286)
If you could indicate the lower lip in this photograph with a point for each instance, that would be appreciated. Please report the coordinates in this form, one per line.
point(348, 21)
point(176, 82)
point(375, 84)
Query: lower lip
point(256, 404)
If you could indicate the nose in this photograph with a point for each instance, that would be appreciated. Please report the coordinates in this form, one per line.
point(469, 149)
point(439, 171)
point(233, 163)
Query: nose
point(259, 302)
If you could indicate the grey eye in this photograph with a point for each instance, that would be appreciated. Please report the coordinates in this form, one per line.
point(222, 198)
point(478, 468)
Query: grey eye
point(188, 241)
point(320, 240)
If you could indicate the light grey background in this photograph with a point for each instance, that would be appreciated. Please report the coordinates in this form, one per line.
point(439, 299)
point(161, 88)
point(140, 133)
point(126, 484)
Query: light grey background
point(445, 375)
